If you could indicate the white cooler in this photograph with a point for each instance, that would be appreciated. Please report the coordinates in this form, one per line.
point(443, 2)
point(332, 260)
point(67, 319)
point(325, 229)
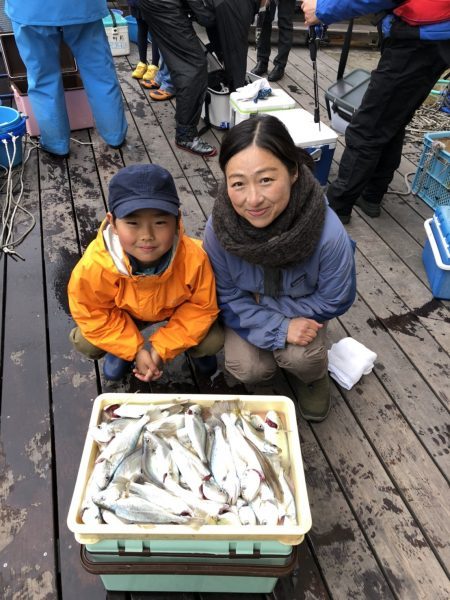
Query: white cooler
point(240, 110)
point(306, 134)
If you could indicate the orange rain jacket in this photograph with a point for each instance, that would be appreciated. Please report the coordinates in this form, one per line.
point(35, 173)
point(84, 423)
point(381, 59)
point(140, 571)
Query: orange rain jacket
point(105, 297)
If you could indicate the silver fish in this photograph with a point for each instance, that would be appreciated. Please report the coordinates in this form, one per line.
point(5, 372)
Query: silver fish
point(124, 443)
point(250, 484)
point(136, 509)
point(156, 458)
point(196, 431)
point(261, 443)
point(209, 507)
point(160, 496)
point(275, 433)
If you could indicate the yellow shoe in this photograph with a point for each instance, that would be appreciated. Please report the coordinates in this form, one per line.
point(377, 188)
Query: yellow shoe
point(139, 71)
point(150, 73)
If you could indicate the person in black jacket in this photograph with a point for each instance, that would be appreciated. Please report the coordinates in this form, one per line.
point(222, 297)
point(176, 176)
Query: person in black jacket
point(171, 27)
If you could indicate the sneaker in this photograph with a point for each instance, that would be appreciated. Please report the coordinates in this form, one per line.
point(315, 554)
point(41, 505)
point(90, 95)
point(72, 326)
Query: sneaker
point(140, 70)
point(313, 398)
point(197, 146)
point(115, 368)
point(371, 209)
point(150, 73)
point(205, 365)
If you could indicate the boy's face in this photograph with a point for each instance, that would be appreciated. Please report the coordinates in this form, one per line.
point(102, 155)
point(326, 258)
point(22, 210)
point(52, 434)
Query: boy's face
point(145, 234)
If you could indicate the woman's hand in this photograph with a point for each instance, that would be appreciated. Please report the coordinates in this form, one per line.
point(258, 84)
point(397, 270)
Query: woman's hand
point(302, 331)
point(148, 365)
point(309, 10)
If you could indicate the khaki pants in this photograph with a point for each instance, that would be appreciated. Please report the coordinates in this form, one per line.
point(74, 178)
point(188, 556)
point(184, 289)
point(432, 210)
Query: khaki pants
point(250, 364)
point(211, 343)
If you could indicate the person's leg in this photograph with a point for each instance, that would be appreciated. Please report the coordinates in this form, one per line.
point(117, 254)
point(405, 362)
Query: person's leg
point(405, 74)
point(309, 366)
point(263, 45)
point(142, 39)
point(81, 344)
point(204, 355)
point(89, 45)
point(286, 10)
point(185, 58)
point(246, 362)
point(166, 89)
point(39, 49)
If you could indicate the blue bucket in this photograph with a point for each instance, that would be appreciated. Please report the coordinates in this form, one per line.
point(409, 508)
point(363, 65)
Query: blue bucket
point(12, 124)
point(132, 28)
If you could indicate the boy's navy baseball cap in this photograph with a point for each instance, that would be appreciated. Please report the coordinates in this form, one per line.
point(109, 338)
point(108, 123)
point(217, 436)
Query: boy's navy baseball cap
point(142, 186)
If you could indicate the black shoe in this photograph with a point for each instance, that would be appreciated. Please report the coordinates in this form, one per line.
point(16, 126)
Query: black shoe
point(344, 219)
point(371, 209)
point(276, 73)
point(260, 68)
point(206, 365)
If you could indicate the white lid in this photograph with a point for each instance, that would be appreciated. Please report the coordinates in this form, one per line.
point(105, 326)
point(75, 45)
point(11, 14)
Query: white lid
point(278, 100)
point(303, 130)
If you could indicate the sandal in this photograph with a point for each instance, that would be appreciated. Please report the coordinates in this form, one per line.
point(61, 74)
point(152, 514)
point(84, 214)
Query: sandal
point(150, 84)
point(161, 95)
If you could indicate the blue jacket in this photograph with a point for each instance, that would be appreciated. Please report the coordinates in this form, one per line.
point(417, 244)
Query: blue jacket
point(321, 288)
point(55, 12)
point(331, 11)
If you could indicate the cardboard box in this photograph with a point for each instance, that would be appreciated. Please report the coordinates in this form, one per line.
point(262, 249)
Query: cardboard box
point(320, 143)
point(78, 108)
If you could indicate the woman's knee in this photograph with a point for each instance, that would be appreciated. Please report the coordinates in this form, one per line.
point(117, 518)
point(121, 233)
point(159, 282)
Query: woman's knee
point(250, 371)
point(306, 363)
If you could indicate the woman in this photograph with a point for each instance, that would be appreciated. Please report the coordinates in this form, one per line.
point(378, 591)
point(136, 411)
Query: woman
point(283, 262)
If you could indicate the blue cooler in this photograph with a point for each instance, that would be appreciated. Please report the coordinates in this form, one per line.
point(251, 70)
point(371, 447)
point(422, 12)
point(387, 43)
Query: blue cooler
point(306, 134)
point(436, 252)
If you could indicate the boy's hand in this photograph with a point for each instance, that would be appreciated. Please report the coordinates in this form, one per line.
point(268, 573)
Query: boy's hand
point(302, 331)
point(148, 365)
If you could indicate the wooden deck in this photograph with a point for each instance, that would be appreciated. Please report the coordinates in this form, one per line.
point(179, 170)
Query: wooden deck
point(377, 469)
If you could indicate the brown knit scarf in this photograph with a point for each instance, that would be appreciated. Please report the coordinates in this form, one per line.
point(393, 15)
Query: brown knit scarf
point(290, 239)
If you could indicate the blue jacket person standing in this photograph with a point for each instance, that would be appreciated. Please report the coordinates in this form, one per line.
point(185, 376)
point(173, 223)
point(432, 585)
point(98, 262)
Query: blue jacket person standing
point(39, 27)
point(415, 52)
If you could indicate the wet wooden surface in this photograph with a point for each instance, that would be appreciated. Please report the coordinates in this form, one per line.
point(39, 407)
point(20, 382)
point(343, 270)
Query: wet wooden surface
point(376, 469)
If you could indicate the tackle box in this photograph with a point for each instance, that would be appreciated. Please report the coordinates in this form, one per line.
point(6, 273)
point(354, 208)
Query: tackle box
point(319, 142)
point(78, 108)
point(215, 558)
point(436, 252)
point(116, 27)
point(432, 179)
point(240, 109)
point(343, 98)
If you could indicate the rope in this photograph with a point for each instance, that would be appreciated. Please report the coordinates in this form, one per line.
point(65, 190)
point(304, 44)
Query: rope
point(11, 204)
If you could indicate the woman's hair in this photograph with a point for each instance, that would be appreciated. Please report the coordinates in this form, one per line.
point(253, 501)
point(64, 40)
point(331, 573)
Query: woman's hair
point(269, 133)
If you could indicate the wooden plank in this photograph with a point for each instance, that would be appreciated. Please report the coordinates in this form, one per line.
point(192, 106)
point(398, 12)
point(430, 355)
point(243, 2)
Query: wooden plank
point(346, 561)
point(73, 378)
point(27, 547)
point(421, 485)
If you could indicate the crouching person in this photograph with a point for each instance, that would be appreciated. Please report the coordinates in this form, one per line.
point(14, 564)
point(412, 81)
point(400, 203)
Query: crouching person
point(142, 269)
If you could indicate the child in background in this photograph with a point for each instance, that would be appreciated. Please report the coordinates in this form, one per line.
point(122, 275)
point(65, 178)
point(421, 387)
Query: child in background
point(143, 70)
point(161, 87)
point(142, 269)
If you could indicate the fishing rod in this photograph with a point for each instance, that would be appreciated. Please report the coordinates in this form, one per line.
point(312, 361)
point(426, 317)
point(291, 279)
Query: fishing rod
point(315, 36)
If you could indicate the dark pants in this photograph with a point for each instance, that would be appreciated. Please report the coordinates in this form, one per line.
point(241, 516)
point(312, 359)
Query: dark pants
point(406, 73)
point(286, 10)
point(172, 30)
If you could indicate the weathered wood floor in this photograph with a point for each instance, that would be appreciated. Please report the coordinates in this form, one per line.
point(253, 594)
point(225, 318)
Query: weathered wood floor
point(377, 469)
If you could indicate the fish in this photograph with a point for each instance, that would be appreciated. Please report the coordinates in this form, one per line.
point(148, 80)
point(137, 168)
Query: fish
point(250, 484)
point(262, 444)
point(208, 507)
point(276, 434)
point(160, 496)
point(136, 509)
point(157, 460)
point(196, 431)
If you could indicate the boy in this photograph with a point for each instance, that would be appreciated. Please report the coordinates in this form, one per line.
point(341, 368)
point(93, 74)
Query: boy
point(143, 269)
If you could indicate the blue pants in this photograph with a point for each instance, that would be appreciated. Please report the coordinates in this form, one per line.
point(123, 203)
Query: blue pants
point(39, 49)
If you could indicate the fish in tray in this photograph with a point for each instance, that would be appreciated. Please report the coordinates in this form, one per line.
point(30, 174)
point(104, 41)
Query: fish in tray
point(188, 464)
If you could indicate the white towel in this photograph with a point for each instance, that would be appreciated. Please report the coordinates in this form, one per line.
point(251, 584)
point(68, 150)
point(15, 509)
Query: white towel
point(348, 361)
point(250, 91)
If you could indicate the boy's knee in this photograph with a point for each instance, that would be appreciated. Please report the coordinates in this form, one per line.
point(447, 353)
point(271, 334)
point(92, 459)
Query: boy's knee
point(211, 344)
point(82, 345)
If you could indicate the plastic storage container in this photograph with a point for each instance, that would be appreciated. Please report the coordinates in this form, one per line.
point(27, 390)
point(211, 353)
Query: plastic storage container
point(437, 265)
point(432, 179)
point(116, 28)
point(240, 110)
point(320, 143)
point(218, 558)
point(343, 98)
point(78, 108)
point(150, 570)
point(12, 128)
point(132, 28)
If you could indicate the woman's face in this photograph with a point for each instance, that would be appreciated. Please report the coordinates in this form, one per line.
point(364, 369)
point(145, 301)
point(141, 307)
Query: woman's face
point(258, 184)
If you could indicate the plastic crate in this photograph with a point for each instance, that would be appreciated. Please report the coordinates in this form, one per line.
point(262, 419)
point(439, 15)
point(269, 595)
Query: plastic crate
point(438, 272)
point(432, 179)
